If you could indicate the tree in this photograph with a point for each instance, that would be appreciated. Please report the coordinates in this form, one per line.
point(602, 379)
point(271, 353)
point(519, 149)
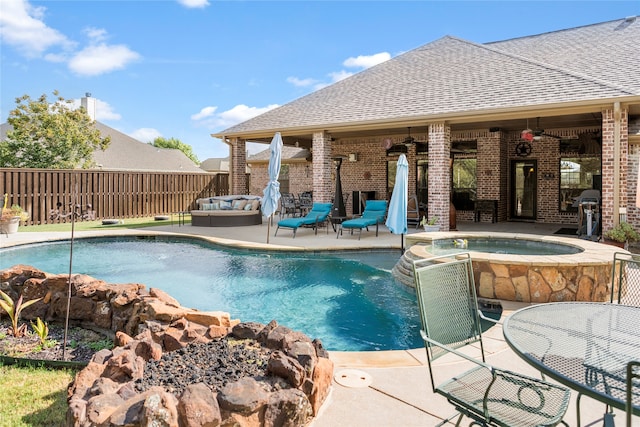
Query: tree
point(53, 136)
point(176, 144)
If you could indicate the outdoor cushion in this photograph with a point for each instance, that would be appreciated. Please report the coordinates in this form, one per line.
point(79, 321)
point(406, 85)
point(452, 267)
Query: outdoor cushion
point(239, 204)
point(318, 214)
point(210, 206)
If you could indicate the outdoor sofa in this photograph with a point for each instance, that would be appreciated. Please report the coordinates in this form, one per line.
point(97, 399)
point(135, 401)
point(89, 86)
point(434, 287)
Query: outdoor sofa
point(227, 211)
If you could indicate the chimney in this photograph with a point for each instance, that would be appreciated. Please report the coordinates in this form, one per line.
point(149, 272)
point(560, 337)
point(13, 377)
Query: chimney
point(89, 105)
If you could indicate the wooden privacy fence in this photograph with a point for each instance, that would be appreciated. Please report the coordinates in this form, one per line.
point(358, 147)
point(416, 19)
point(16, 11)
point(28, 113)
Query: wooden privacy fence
point(111, 194)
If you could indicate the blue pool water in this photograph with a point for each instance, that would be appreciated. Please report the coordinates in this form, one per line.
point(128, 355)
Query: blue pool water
point(503, 246)
point(348, 300)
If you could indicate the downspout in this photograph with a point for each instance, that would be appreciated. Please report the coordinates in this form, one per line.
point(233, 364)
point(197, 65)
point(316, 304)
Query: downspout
point(617, 115)
point(230, 148)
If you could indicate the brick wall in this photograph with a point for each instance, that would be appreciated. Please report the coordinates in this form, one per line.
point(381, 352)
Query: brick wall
point(496, 152)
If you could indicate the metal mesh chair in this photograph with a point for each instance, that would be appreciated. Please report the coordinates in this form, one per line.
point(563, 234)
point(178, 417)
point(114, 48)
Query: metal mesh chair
point(450, 320)
point(625, 279)
point(611, 373)
point(633, 388)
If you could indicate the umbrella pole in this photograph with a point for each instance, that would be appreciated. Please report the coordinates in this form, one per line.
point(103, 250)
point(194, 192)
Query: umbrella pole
point(268, 227)
point(402, 243)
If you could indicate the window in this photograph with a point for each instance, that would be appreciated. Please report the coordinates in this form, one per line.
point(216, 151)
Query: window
point(576, 175)
point(283, 178)
point(422, 181)
point(464, 183)
point(392, 165)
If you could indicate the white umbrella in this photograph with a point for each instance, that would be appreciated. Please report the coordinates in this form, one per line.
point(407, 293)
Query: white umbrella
point(272, 190)
point(397, 215)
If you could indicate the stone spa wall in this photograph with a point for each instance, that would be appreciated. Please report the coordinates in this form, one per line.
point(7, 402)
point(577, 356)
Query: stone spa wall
point(585, 276)
point(150, 327)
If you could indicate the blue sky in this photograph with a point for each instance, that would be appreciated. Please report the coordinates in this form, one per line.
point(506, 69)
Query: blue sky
point(187, 68)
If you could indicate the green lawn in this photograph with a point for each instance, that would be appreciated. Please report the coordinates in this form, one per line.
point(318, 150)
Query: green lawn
point(97, 225)
point(33, 396)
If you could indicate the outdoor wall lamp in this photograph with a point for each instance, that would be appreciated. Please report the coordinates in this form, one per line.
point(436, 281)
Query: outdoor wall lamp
point(353, 157)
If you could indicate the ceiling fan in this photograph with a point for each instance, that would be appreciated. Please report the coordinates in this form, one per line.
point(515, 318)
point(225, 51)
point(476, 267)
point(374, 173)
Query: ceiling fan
point(538, 132)
point(409, 139)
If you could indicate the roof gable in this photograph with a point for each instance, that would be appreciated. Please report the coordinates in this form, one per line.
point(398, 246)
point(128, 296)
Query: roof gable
point(450, 76)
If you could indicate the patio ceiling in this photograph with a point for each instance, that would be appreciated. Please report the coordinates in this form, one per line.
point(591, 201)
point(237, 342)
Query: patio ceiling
point(303, 138)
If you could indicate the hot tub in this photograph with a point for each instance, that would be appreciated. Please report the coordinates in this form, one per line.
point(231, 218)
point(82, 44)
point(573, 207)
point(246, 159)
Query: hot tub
point(578, 270)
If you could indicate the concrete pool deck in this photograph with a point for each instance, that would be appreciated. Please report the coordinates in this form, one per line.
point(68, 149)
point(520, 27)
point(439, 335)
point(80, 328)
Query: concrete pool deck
point(386, 388)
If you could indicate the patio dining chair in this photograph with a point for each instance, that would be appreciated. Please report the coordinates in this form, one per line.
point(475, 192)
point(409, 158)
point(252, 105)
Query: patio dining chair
point(450, 320)
point(633, 389)
point(413, 211)
point(373, 214)
point(288, 205)
point(625, 289)
point(625, 279)
point(318, 215)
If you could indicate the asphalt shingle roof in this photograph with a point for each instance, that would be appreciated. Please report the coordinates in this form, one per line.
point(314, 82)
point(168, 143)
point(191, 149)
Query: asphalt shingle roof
point(450, 76)
point(126, 153)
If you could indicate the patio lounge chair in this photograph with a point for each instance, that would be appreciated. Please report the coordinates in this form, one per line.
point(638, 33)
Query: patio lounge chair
point(373, 214)
point(316, 216)
point(450, 320)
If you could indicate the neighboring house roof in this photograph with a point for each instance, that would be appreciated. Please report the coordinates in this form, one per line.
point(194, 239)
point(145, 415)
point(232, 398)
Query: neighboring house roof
point(127, 153)
point(451, 77)
point(215, 164)
point(289, 154)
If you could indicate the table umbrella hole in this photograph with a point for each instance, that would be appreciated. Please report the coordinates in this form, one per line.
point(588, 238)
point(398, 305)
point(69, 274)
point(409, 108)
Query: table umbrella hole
point(352, 378)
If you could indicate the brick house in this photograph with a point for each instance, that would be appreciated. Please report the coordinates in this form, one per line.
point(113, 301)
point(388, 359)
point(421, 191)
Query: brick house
point(526, 123)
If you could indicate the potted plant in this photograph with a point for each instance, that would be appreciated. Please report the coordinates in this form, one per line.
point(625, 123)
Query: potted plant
point(10, 218)
point(623, 234)
point(430, 224)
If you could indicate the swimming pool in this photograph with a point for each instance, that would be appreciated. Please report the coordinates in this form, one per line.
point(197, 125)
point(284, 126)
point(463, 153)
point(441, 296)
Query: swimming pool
point(349, 300)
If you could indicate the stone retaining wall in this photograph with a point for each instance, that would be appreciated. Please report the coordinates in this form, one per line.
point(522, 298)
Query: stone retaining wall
point(149, 323)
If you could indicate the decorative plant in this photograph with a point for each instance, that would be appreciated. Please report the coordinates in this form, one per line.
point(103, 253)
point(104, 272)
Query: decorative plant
point(14, 310)
point(623, 233)
point(42, 330)
point(431, 221)
point(14, 211)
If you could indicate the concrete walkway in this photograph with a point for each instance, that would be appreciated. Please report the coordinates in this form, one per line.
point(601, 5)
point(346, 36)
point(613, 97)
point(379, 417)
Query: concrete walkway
point(386, 388)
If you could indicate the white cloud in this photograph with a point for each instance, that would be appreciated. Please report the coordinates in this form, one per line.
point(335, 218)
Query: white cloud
point(194, 4)
point(301, 82)
point(22, 27)
point(204, 113)
point(228, 118)
point(145, 134)
point(96, 34)
point(366, 61)
point(99, 59)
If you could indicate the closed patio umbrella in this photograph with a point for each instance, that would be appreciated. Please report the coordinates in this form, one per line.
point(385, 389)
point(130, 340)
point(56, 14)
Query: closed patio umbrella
point(272, 190)
point(397, 215)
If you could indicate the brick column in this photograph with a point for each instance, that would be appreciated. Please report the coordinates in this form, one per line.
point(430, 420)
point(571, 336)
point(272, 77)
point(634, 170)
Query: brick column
point(238, 166)
point(611, 171)
point(322, 166)
point(440, 173)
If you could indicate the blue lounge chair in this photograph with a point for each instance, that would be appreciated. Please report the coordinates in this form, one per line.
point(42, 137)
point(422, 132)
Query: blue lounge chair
point(373, 214)
point(316, 216)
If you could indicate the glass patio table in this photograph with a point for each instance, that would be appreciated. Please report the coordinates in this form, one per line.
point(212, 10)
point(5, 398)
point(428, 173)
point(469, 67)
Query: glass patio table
point(584, 345)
